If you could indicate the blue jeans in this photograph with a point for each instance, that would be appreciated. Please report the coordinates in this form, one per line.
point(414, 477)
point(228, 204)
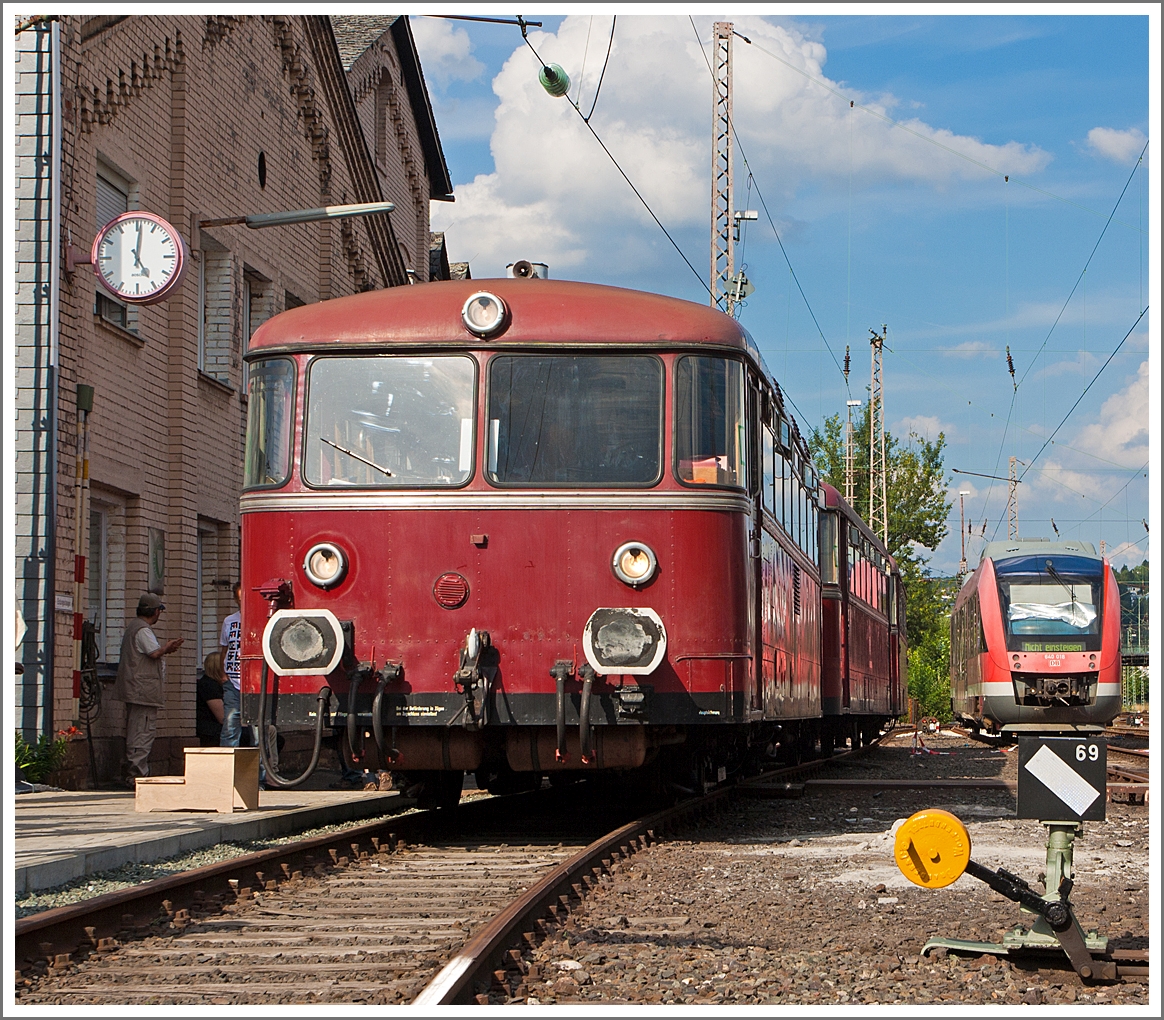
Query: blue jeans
point(232, 722)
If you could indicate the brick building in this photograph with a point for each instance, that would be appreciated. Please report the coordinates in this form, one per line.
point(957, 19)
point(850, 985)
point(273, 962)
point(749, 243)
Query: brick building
point(196, 119)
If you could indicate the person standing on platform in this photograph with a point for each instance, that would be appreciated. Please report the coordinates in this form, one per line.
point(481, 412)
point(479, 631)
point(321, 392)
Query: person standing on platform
point(230, 641)
point(141, 679)
point(209, 716)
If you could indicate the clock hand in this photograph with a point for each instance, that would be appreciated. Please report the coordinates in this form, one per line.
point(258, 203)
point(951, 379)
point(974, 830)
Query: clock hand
point(135, 251)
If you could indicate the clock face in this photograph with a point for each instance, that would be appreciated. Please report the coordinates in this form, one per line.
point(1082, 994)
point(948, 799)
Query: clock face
point(139, 257)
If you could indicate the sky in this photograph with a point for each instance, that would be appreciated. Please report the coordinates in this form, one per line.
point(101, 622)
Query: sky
point(971, 182)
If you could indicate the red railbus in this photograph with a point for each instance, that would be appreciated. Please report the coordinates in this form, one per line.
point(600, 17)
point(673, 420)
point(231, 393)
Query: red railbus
point(526, 527)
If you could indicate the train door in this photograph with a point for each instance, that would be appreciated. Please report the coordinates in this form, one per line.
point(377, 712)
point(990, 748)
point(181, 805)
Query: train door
point(760, 455)
point(769, 550)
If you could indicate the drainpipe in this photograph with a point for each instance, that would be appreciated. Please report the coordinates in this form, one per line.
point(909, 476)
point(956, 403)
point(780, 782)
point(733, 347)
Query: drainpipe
point(50, 607)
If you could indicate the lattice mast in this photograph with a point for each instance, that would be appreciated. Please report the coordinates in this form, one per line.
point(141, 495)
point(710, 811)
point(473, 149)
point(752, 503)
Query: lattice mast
point(723, 259)
point(1012, 501)
point(878, 501)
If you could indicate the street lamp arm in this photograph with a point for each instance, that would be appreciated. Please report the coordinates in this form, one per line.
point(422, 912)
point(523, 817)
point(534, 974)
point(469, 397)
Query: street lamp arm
point(293, 216)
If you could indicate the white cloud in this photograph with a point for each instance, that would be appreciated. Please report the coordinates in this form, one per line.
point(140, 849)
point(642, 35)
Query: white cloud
point(1119, 436)
point(445, 51)
point(1120, 146)
point(971, 349)
point(554, 188)
point(927, 426)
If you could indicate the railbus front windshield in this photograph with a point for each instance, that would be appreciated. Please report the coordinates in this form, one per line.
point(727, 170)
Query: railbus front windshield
point(1051, 603)
point(382, 421)
point(586, 420)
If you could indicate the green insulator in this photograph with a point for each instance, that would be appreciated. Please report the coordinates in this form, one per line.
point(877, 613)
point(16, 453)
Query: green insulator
point(554, 80)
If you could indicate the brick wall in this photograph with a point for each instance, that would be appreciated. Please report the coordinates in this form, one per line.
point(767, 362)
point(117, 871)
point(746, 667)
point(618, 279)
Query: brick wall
point(181, 107)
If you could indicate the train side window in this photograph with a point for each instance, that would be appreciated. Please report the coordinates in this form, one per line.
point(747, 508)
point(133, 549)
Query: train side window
point(784, 498)
point(270, 422)
point(711, 439)
point(769, 474)
point(829, 554)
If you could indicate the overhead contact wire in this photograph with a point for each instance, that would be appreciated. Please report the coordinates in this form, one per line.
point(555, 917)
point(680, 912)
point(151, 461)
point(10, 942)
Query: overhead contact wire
point(1086, 388)
point(659, 223)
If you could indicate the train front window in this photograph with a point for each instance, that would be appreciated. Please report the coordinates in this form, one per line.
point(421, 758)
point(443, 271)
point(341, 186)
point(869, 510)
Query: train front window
point(586, 420)
point(387, 421)
point(270, 399)
point(710, 436)
point(1051, 604)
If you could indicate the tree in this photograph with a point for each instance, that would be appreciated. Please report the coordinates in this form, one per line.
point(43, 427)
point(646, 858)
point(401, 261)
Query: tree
point(918, 509)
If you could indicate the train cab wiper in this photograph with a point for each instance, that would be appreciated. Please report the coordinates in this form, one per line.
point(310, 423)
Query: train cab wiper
point(356, 456)
point(1058, 577)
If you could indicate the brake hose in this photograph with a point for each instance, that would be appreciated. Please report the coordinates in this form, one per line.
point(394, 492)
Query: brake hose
point(273, 777)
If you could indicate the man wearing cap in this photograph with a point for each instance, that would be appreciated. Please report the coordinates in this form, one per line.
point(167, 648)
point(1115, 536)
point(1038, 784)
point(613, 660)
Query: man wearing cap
point(141, 676)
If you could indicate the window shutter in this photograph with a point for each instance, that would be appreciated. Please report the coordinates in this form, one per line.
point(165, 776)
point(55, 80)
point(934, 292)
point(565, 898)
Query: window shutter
point(111, 201)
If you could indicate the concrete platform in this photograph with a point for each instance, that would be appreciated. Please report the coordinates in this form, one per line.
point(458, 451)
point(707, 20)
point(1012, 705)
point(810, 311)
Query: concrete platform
point(62, 835)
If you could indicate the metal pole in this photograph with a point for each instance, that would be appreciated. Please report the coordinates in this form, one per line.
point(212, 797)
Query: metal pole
point(962, 514)
point(1012, 502)
point(878, 502)
point(850, 451)
point(722, 175)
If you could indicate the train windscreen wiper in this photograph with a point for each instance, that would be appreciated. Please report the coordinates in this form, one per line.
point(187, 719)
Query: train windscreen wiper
point(364, 460)
point(1058, 577)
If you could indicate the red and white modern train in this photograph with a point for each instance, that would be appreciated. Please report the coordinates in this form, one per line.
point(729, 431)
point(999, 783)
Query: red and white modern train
point(527, 527)
point(1035, 639)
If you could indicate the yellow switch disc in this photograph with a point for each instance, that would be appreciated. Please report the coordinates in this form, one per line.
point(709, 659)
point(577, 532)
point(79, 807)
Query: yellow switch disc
point(932, 848)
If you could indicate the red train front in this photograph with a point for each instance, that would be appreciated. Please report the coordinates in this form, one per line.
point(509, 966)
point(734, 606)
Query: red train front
point(528, 528)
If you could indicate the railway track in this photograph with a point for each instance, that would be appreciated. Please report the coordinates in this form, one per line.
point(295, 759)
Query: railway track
point(366, 915)
point(409, 910)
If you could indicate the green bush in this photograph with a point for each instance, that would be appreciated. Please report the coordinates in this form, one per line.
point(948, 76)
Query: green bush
point(929, 677)
point(38, 760)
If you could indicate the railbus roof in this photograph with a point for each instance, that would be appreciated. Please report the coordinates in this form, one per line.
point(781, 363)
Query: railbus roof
point(547, 311)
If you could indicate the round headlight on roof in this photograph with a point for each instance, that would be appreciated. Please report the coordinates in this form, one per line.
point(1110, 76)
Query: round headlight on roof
point(484, 314)
point(634, 563)
point(325, 565)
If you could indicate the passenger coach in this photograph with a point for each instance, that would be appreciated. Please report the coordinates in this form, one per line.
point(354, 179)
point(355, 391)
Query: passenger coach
point(525, 527)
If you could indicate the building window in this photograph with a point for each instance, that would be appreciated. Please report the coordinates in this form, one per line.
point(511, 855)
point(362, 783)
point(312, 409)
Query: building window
point(114, 196)
point(105, 575)
point(258, 303)
point(215, 321)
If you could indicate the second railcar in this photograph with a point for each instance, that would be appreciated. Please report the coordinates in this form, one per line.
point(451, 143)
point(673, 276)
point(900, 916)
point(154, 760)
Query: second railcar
point(863, 680)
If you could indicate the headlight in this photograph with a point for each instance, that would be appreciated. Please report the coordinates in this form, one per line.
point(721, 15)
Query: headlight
point(634, 563)
point(302, 642)
point(484, 314)
point(627, 641)
point(325, 565)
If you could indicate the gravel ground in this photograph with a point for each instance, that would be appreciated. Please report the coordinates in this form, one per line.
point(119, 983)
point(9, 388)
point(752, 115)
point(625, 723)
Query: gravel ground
point(800, 902)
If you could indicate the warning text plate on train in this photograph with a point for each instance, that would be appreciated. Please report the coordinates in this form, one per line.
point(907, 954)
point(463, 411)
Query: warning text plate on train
point(1062, 778)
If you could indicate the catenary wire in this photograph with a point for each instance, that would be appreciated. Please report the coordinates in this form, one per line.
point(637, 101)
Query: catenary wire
point(638, 194)
point(1118, 346)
